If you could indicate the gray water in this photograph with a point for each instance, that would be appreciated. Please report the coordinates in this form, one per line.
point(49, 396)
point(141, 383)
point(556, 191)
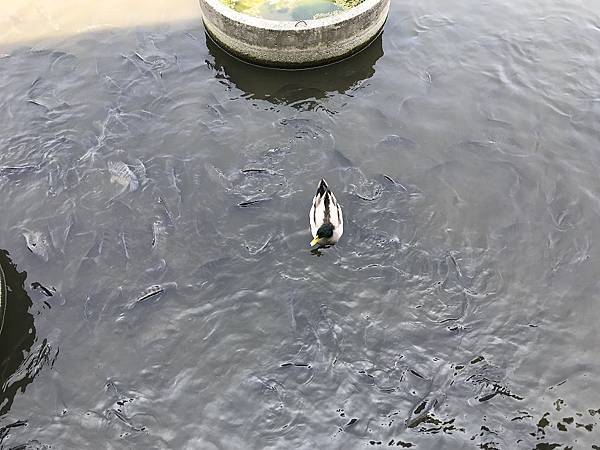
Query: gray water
point(155, 196)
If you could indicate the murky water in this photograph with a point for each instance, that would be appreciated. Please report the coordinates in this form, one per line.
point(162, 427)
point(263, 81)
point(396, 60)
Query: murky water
point(161, 291)
point(290, 9)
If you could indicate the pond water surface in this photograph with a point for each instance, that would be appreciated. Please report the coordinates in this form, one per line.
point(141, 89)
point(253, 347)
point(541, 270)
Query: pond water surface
point(288, 9)
point(154, 234)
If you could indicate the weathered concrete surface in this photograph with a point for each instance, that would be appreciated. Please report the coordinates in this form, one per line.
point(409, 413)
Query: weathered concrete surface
point(294, 44)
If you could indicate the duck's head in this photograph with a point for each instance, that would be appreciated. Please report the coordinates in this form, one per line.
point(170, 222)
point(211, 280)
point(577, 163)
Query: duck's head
point(324, 234)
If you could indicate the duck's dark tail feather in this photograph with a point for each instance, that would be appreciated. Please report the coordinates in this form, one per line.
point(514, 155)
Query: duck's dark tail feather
point(323, 188)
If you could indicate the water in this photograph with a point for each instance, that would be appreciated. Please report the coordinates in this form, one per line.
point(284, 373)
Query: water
point(173, 301)
point(290, 9)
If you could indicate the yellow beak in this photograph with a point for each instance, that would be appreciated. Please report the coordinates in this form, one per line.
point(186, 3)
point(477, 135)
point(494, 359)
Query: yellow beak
point(315, 241)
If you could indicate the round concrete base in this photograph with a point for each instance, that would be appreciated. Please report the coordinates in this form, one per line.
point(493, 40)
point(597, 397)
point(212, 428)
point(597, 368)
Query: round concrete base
point(289, 44)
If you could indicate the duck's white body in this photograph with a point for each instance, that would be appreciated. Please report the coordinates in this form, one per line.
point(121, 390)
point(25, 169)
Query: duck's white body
point(324, 214)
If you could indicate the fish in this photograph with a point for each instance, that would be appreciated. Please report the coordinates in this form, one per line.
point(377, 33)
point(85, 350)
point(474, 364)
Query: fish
point(139, 170)
point(159, 233)
point(168, 216)
point(174, 187)
point(59, 234)
point(159, 268)
point(395, 183)
point(96, 249)
point(122, 174)
point(17, 170)
point(71, 178)
point(218, 177)
point(248, 203)
point(152, 291)
point(124, 244)
point(37, 285)
point(256, 251)
point(52, 179)
point(394, 142)
point(174, 178)
point(37, 243)
point(257, 170)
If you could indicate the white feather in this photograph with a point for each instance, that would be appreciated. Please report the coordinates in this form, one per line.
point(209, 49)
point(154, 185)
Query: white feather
point(317, 212)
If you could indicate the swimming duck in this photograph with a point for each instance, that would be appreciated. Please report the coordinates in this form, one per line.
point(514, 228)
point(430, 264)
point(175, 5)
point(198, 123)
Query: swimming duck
point(326, 220)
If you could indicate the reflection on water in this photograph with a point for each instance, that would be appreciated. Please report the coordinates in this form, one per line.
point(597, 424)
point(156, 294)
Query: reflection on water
point(289, 9)
point(158, 192)
point(301, 89)
point(17, 369)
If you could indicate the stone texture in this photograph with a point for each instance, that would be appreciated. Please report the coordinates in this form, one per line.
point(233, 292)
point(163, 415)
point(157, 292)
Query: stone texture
point(291, 44)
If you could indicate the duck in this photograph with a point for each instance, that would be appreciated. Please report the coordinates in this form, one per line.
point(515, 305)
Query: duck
point(326, 219)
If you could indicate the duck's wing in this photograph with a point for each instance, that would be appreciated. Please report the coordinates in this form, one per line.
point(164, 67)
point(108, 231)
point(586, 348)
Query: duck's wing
point(335, 216)
point(339, 226)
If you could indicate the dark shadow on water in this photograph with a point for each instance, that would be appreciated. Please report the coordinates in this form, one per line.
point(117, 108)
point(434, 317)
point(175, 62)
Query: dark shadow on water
point(298, 88)
point(17, 336)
